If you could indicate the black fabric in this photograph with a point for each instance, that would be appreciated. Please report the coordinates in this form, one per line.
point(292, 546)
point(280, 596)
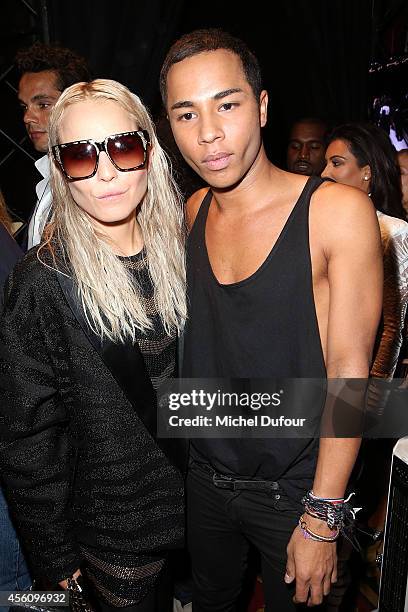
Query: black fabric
point(159, 599)
point(125, 41)
point(262, 327)
point(147, 605)
point(220, 526)
point(10, 253)
point(78, 465)
point(123, 360)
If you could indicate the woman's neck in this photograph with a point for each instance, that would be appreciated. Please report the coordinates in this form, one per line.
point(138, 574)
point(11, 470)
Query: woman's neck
point(125, 238)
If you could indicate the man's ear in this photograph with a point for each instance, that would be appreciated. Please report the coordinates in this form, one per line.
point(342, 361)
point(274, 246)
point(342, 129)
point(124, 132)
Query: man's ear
point(263, 107)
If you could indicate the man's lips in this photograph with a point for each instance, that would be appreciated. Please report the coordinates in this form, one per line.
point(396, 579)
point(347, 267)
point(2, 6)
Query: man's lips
point(217, 161)
point(303, 167)
point(303, 163)
point(36, 134)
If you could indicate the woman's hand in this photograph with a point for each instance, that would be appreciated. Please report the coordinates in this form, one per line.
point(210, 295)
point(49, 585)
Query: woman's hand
point(64, 584)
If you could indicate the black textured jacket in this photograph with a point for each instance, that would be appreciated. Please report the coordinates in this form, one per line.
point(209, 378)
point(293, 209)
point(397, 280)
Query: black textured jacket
point(10, 253)
point(78, 463)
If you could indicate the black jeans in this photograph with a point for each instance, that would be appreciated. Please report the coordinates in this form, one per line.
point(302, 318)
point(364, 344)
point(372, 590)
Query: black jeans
point(220, 525)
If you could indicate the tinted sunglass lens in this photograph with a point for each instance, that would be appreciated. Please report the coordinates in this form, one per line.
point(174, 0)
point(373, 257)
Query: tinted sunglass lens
point(79, 159)
point(126, 151)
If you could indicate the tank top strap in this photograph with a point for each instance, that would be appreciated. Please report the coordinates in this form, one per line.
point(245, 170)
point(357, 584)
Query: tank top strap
point(202, 214)
point(300, 210)
point(310, 187)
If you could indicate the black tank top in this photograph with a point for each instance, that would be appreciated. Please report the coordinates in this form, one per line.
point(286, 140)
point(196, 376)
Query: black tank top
point(262, 327)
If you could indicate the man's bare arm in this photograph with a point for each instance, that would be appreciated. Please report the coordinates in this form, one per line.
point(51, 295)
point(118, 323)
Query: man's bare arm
point(353, 251)
point(355, 272)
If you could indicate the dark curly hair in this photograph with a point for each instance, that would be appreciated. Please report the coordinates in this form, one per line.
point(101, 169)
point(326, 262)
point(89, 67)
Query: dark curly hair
point(211, 39)
point(372, 147)
point(69, 67)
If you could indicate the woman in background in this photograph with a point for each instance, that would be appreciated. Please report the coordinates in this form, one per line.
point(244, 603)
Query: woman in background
point(89, 333)
point(362, 156)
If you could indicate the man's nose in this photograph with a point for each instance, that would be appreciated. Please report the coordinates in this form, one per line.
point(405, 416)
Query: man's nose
point(304, 151)
point(30, 115)
point(209, 129)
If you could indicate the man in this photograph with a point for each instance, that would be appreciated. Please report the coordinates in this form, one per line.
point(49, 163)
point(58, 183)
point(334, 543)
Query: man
point(307, 146)
point(279, 285)
point(402, 157)
point(45, 72)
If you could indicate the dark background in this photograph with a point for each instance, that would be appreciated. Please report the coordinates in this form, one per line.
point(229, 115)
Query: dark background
point(327, 58)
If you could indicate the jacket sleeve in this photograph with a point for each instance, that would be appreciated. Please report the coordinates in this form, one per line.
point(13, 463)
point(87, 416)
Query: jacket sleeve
point(394, 306)
point(36, 461)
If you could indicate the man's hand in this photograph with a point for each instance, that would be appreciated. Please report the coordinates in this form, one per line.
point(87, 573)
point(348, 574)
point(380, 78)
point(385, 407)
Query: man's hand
point(64, 584)
point(312, 564)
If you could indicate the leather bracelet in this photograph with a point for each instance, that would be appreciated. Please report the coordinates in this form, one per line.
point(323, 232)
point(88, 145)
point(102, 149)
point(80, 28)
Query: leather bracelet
point(317, 537)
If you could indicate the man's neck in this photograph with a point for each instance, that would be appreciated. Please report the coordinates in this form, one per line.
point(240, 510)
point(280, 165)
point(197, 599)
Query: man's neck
point(252, 190)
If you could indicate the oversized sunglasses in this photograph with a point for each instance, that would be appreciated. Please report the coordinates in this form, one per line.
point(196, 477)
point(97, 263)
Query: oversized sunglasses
point(79, 160)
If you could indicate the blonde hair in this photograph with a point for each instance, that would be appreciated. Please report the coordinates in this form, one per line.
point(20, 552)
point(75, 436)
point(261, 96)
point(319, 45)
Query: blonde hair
point(5, 218)
point(112, 303)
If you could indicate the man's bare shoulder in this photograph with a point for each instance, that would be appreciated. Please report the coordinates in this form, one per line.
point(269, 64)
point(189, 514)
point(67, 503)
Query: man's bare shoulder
point(334, 198)
point(193, 205)
point(334, 205)
point(341, 213)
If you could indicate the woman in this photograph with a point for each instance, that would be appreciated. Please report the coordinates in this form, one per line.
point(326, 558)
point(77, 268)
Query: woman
point(361, 155)
point(88, 334)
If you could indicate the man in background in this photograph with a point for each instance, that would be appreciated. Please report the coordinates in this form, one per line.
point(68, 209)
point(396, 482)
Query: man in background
point(45, 70)
point(307, 147)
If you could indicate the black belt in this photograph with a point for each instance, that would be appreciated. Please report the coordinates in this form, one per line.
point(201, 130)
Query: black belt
point(236, 484)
